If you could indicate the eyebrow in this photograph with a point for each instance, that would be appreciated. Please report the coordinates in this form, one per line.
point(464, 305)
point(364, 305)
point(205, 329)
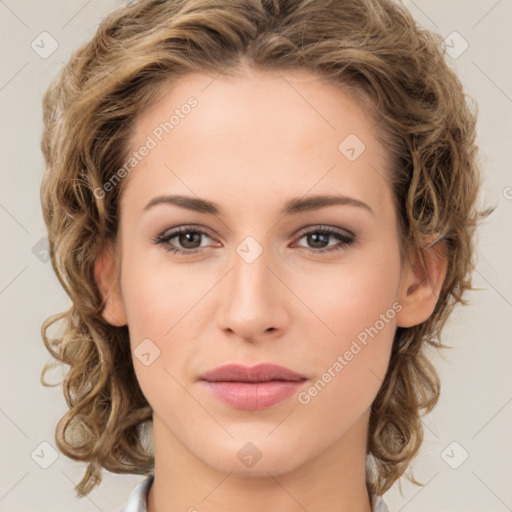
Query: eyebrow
point(292, 206)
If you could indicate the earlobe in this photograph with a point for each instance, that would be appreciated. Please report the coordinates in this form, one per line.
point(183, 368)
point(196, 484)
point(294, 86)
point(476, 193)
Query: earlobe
point(421, 283)
point(107, 280)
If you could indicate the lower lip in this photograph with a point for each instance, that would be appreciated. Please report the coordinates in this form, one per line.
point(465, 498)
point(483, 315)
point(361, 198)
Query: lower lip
point(253, 396)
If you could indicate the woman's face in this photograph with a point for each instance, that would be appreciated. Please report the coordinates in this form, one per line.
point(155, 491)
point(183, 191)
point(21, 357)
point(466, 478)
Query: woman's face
point(299, 266)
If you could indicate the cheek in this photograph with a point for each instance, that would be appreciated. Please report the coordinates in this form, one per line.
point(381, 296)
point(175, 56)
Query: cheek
point(357, 305)
point(351, 296)
point(165, 309)
point(158, 295)
point(159, 302)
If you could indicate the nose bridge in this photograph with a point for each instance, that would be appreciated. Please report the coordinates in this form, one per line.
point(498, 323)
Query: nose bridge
point(253, 302)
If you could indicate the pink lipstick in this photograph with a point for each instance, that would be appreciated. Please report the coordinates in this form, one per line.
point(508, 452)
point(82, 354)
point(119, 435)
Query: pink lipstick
point(252, 388)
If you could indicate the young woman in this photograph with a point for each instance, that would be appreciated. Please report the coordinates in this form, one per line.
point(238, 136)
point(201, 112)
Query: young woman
point(263, 212)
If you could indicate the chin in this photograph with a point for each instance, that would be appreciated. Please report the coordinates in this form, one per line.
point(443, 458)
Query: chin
point(254, 458)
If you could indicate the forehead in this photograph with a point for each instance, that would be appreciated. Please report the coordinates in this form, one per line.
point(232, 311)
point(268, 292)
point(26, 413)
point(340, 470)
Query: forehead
point(259, 135)
point(242, 104)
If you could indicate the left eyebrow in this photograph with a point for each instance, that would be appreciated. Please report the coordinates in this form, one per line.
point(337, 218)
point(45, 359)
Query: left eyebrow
point(321, 201)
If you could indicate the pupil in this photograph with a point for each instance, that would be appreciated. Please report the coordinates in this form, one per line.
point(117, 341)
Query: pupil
point(186, 239)
point(316, 237)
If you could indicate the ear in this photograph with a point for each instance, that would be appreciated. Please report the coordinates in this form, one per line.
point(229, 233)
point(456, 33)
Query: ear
point(106, 275)
point(421, 283)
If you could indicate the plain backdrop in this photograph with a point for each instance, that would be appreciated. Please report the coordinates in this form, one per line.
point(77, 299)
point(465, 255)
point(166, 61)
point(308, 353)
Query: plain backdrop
point(465, 461)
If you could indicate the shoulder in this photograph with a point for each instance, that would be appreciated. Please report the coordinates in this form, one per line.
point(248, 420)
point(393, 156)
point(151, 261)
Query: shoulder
point(137, 502)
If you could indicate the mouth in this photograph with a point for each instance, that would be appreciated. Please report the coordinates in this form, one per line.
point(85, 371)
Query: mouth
point(259, 387)
point(263, 372)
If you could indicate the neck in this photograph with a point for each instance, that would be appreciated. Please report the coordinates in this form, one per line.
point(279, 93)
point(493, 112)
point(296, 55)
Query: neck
point(333, 481)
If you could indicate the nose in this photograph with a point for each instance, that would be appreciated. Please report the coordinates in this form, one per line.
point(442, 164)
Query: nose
point(253, 307)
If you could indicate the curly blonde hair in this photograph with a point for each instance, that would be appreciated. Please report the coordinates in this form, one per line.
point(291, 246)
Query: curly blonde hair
point(371, 49)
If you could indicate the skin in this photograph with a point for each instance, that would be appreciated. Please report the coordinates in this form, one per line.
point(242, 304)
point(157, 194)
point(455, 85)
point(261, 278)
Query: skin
point(252, 143)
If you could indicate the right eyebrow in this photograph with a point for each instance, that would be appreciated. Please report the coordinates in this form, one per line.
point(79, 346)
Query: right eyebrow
point(190, 203)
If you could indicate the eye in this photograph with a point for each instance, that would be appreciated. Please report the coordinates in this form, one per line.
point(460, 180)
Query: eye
point(318, 239)
point(188, 238)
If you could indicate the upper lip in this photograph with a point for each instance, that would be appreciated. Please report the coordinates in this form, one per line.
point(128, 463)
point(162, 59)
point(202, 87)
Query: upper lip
point(262, 372)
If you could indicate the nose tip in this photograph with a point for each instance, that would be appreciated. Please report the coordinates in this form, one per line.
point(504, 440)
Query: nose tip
point(252, 305)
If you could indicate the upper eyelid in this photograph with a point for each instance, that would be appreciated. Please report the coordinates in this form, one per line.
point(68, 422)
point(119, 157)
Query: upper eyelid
point(333, 229)
point(171, 233)
point(184, 228)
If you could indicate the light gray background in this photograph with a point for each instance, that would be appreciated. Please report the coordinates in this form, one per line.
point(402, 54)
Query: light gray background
point(475, 408)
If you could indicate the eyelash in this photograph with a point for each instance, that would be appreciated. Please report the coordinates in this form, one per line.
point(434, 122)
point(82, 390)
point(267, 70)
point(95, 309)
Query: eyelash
point(345, 240)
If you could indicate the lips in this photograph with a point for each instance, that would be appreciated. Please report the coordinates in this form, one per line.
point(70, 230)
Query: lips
point(263, 372)
point(252, 388)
